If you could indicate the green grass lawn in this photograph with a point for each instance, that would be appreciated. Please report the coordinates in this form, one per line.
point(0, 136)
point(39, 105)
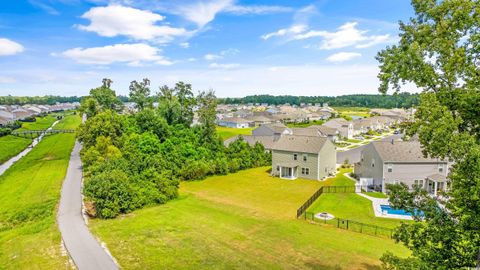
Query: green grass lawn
point(29, 194)
point(11, 146)
point(376, 195)
point(226, 132)
point(42, 123)
point(244, 220)
point(350, 206)
point(69, 122)
point(354, 141)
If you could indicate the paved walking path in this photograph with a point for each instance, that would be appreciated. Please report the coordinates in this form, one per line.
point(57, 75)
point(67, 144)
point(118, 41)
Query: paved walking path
point(4, 167)
point(83, 248)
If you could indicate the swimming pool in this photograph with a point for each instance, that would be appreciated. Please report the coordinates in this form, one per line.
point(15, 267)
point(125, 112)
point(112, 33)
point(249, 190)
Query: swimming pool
point(393, 211)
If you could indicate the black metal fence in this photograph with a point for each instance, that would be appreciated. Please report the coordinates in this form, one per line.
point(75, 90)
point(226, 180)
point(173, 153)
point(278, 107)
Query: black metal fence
point(36, 133)
point(351, 225)
point(320, 191)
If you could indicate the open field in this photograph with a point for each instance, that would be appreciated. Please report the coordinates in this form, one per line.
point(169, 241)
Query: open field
point(29, 193)
point(42, 123)
point(353, 111)
point(69, 122)
point(350, 206)
point(11, 146)
point(226, 132)
point(244, 220)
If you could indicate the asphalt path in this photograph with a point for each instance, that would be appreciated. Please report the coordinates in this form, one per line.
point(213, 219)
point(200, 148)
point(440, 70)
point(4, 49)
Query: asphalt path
point(85, 251)
point(353, 155)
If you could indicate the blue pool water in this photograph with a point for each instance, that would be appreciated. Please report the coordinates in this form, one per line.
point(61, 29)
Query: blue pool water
point(394, 211)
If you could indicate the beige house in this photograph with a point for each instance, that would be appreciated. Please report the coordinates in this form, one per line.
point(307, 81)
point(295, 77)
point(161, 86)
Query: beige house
point(395, 162)
point(344, 127)
point(310, 157)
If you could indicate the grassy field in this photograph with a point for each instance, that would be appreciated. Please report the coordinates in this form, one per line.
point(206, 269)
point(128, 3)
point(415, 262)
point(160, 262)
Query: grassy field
point(353, 111)
point(42, 123)
point(11, 145)
point(350, 206)
point(376, 195)
point(69, 122)
point(226, 132)
point(239, 221)
point(29, 194)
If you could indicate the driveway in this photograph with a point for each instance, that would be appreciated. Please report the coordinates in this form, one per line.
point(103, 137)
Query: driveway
point(83, 248)
point(353, 155)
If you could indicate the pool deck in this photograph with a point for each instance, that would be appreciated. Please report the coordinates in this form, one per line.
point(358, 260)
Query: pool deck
point(377, 209)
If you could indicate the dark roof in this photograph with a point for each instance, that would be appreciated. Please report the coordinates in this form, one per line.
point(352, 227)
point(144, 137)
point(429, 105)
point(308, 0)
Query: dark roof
point(303, 144)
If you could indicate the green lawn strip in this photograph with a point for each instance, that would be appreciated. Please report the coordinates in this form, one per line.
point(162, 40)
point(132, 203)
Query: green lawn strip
point(353, 141)
point(42, 123)
point(376, 195)
point(193, 233)
point(10, 146)
point(29, 194)
point(69, 122)
point(226, 132)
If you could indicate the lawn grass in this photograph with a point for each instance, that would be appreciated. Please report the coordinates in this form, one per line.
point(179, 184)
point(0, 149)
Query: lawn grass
point(29, 194)
point(376, 195)
point(354, 141)
point(226, 132)
point(244, 220)
point(350, 206)
point(11, 146)
point(353, 111)
point(69, 122)
point(42, 123)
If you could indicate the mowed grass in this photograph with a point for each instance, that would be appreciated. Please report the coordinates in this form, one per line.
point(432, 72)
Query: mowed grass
point(244, 220)
point(42, 123)
point(350, 206)
point(11, 146)
point(353, 111)
point(71, 121)
point(29, 194)
point(226, 132)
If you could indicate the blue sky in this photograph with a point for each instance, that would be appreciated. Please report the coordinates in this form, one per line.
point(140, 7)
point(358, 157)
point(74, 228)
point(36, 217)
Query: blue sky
point(237, 48)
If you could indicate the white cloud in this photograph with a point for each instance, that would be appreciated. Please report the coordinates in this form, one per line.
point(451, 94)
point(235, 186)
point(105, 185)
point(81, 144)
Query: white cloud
point(223, 66)
point(346, 35)
point(9, 47)
point(185, 45)
point(116, 20)
point(343, 56)
point(257, 9)
point(133, 54)
point(211, 57)
point(294, 29)
point(202, 13)
point(5, 80)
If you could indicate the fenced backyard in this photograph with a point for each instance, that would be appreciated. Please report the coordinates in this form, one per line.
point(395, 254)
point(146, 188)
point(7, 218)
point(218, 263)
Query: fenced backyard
point(320, 191)
point(351, 225)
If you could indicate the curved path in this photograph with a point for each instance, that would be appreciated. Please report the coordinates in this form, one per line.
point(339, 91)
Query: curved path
point(83, 248)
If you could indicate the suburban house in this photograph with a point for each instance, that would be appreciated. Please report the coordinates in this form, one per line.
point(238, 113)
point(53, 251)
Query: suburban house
point(276, 130)
point(267, 141)
point(260, 119)
point(235, 122)
point(344, 127)
point(330, 133)
point(303, 156)
point(384, 162)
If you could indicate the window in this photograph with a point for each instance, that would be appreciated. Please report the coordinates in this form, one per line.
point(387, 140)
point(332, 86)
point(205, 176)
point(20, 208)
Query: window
point(440, 168)
point(419, 183)
point(305, 171)
point(390, 167)
point(373, 162)
point(304, 157)
point(294, 156)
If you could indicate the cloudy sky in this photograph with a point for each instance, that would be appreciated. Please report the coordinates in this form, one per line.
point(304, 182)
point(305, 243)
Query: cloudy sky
point(237, 48)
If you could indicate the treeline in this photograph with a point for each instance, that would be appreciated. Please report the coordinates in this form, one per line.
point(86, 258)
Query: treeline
point(43, 100)
point(401, 100)
point(137, 159)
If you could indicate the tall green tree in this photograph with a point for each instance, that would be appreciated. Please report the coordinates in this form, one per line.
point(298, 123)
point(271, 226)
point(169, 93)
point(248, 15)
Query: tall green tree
point(187, 101)
point(207, 115)
point(140, 94)
point(439, 52)
point(168, 105)
point(105, 96)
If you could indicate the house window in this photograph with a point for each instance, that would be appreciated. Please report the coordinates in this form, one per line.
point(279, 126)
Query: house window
point(390, 167)
point(440, 168)
point(294, 156)
point(373, 162)
point(305, 171)
point(419, 183)
point(304, 157)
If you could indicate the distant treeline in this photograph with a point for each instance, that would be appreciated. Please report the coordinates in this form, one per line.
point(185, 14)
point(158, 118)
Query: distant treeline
point(401, 100)
point(43, 100)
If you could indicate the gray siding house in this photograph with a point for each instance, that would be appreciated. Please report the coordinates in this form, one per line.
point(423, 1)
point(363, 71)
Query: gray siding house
point(393, 162)
point(276, 130)
point(310, 157)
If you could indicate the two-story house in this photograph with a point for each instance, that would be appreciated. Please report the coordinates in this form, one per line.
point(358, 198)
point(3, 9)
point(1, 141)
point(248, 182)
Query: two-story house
point(310, 157)
point(392, 162)
point(344, 127)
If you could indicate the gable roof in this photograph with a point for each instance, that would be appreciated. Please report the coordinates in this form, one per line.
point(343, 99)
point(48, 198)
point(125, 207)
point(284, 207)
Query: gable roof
point(402, 151)
point(337, 122)
point(326, 131)
point(305, 132)
point(302, 144)
point(276, 127)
